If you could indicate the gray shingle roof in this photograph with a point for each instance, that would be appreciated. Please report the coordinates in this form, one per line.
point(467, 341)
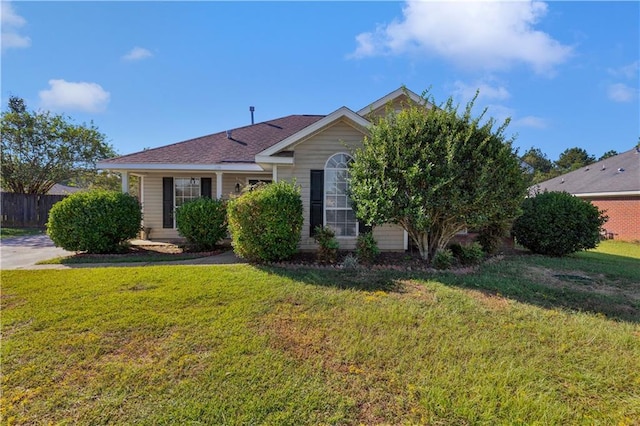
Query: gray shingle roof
point(619, 173)
point(241, 147)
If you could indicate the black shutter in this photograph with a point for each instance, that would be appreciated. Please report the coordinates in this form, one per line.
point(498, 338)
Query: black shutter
point(362, 228)
point(205, 187)
point(167, 202)
point(316, 206)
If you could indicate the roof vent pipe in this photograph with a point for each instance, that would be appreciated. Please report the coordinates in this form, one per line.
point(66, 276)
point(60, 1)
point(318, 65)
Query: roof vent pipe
point(228, 134)
point(252, 109)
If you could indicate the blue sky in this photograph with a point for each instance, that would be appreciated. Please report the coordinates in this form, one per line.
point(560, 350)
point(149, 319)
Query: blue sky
point(153, 73)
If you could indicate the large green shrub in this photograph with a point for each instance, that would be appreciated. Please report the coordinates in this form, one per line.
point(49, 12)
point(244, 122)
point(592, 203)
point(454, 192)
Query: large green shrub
point(94, 221)
point(203, 222)
point(265, 223)
point(557, 223)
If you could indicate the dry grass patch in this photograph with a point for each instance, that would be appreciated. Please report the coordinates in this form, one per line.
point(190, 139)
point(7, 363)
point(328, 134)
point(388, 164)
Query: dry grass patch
point(579, 281)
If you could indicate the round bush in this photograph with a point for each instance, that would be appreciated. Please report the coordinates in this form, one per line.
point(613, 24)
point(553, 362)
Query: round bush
point(203, 222)
point(94, 221)
point(557, 223)
point(265, 223)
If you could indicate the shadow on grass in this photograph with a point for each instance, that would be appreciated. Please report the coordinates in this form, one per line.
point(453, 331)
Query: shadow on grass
point(132, 254)
point(343, 279)
point(599, 283)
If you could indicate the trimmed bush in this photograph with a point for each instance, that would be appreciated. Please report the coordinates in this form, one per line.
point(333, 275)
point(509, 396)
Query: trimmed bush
point(327, 244)
point(95, 221)
point(557, 224)
point(367, 247)
point(469, 254)
point(203, 222)
point(443, 259)
point(265, 224)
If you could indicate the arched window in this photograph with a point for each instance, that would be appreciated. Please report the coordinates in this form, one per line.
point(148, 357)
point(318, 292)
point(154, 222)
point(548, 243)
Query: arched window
point(338, 213)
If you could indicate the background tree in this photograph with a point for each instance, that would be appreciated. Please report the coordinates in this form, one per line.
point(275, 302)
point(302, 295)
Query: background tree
point(608, 154)
point(574, 158)
point(543, 168)
point(40, 149)
point(436, 173)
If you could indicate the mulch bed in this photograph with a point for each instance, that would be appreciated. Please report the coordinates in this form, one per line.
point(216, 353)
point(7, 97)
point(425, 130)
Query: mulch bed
point(395, 261)
point(160, 251)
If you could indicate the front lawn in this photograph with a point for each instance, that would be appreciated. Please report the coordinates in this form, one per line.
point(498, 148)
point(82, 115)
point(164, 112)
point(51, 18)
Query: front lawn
point(523, 340)
point(18, 232)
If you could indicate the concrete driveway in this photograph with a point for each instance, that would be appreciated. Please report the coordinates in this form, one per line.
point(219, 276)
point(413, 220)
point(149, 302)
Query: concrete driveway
point(24, 252)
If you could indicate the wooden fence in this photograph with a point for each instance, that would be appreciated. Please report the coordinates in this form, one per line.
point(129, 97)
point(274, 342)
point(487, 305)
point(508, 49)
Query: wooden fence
point(27, 210)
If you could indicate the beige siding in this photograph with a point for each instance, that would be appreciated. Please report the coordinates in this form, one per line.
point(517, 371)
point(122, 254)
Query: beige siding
point(285, 172)
point(389, 237)
point(312, 154)
point(229, 181)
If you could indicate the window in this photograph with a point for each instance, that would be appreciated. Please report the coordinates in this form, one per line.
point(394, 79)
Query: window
point(339, 214)
point(186, 189)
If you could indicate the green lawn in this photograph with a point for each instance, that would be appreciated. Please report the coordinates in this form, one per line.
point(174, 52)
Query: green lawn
point(524, 340)
point(18, 232)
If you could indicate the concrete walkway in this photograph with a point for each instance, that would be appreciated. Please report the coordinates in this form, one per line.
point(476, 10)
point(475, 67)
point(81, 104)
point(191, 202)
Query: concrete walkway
point(25, 252)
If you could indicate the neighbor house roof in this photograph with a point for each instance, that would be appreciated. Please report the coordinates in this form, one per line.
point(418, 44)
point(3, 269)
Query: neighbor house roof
point(234, 146)
point(617, 175)
point(59, 189)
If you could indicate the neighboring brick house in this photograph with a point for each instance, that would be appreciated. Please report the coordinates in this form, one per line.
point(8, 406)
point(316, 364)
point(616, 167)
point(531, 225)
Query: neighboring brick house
point(612, 185)
point(312, 150)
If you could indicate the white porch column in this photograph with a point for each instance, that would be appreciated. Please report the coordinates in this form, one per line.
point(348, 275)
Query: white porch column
point(218, 185)
point(274, 173)
point(141, 194)
point(125, 182)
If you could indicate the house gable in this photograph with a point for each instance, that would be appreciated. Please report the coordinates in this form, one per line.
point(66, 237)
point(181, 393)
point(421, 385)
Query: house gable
point(343, 114)
point(396, 99)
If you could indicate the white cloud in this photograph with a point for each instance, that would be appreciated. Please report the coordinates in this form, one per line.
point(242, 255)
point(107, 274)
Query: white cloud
point(11, 23)
point(482, 34)
point(80, 96)
point(531, 121)
point(620, 92)
point(466, 92)
point(629, 71)
point(137, 53)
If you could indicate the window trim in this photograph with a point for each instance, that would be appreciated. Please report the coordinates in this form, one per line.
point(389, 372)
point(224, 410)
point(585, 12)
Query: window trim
point(324, 198)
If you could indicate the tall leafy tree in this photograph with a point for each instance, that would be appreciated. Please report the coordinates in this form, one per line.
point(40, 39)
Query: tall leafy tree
point(608, 154)
point(574, 158)
point(435, 173)
point(40, 149)
point(542, 167)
